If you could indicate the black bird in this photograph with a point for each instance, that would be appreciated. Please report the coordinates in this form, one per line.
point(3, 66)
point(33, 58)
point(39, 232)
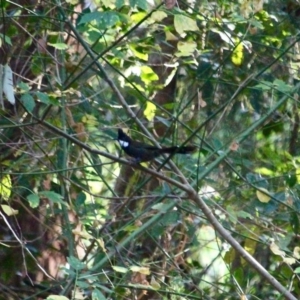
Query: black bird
point(143, 152)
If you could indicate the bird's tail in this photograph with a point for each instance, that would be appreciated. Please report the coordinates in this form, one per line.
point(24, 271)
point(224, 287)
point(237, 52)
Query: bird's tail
point(179, 150)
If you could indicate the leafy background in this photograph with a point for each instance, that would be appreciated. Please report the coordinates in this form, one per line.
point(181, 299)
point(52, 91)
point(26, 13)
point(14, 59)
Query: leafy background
point(78, 221)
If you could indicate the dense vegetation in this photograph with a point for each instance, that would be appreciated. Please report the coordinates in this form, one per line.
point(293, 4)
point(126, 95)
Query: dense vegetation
point(80, 220)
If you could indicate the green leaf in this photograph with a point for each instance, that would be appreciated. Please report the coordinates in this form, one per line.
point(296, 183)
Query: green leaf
point(75, 263)
point(104, 19)
point(89, 17)
point(119, 3)
point(139, 3)
point(161, 207)
point(183, 23)
point(97, 295)
point(80, 199)
point(282, 86)
point(244, 214)
point(28, 102)
point(24, 87)
point(43, 97)
point(53, 197)
point(108, 19)
point(7, 39)
point(59, 46)
point(82, 284)
point(34, 200)
point(277, 84)
point(264, 85)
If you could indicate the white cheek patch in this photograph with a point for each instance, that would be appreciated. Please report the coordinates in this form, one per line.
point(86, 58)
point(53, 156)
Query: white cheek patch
point(123, 144)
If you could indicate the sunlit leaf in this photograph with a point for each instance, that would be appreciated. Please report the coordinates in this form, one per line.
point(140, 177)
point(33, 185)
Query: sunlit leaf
point(148, 75)
point(5, 187)
point(101, 244)
point(237, 54)
point(289, 260)
point(138, 16)
point(183, 23)
point(142, 270)
point(276, 250)
point(9, 211)
point(250, 246)
point(263, 195)
point(139, 53)
point(170, 36)
point(296, 252)
point(150, 110)
point(264, 171)
point(225, 36)
point(186, 48)
point(120, 269)
point(56, 297)
point(90, 120)
point(154, 284)
point(73, 2)
point(158, 16)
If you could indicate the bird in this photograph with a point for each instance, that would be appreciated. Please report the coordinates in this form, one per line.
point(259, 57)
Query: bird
point(143, 152)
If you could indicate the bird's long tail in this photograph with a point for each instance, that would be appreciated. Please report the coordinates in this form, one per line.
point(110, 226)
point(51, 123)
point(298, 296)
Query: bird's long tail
point(176, 149)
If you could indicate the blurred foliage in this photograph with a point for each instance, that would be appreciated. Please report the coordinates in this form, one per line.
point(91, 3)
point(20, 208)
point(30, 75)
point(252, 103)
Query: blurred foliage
point(80, 224)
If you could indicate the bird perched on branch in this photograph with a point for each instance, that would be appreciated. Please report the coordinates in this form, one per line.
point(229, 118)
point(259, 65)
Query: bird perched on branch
point(142, 152)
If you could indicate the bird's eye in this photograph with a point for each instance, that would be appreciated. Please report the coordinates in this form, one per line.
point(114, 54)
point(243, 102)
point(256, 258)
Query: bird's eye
point(123, 143)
